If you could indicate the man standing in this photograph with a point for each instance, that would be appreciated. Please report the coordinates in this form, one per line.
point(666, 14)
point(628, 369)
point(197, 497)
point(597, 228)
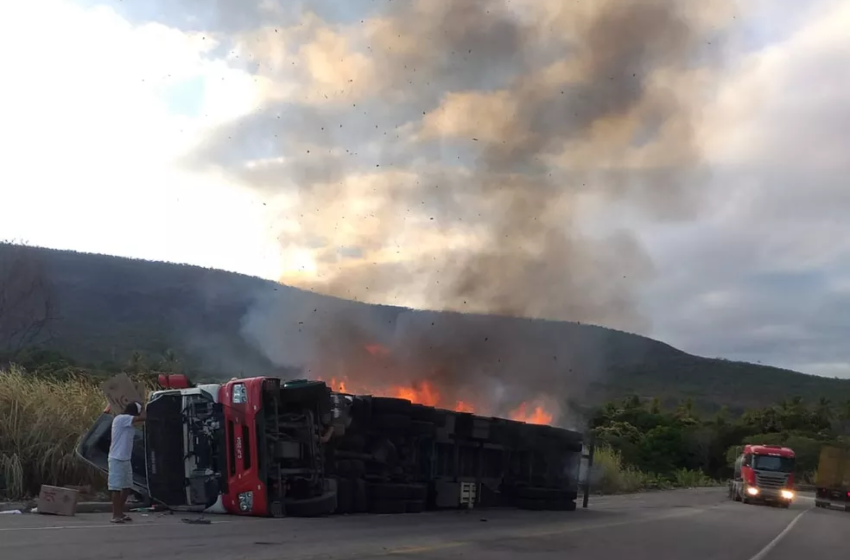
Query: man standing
point(120, 479)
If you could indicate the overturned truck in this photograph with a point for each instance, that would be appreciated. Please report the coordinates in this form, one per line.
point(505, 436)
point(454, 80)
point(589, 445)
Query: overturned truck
point(265, 447)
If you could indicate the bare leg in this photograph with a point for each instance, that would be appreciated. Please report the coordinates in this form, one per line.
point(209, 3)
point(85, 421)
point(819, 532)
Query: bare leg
point(123, 500)
point(117, 504)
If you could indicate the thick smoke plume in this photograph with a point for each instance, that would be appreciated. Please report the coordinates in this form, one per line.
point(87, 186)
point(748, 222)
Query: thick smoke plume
point(444, 153)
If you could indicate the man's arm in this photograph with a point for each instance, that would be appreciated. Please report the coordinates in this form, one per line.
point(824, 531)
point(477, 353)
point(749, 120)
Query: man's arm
point(141, 417)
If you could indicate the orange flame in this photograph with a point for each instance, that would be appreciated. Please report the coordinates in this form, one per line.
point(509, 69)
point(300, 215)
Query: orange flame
point(419, 393)
point(425, 393)
point(538, 416)
point(462, 406)
point(377, 350)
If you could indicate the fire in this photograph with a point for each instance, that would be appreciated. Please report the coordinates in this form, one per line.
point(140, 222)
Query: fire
point(419, 393)
point(424, 392)
point(462, 406)
point(537, 416)
point(338, 386)
point(377, 350)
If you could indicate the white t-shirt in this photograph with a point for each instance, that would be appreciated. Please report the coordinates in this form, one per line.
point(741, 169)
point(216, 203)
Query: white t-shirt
point(121, 447)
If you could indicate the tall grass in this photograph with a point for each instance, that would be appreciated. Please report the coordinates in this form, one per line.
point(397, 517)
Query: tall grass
point(41, 420)
point(610, 475)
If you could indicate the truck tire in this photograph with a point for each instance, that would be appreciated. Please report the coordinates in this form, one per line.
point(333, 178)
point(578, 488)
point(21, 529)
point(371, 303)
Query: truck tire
point(417, 492)
point(344, 496)
point(303, 393)
point(389, 405)
point(325, 504)
point(388, 506)
point(422, 413)
point(414, 506)
point(534, 493)
point(423, 429)
point(531, 504)
point(392, 422)
point(568, 505)
point(388, 491)
point(361, 499)
point(276, 509)
point(350, 468)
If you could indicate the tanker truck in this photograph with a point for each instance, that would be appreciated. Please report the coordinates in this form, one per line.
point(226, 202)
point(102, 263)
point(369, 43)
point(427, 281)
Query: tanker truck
point(764, 474)
point(262, 446)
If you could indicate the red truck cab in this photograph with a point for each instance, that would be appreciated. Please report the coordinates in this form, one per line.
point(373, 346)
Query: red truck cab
point(764, 473)
point(246, 491)
point(247, 447)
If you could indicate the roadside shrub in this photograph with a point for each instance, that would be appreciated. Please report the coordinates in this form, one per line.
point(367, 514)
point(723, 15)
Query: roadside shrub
point(611, 476)
point(686, 478)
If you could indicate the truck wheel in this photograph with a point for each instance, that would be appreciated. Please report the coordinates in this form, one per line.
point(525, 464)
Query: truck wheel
point(313, 507)
point(344, 496)
point(276, 509)
point(565, 505)
point(395, 422)
point(361, 500)
point(350, 468)
point(388, 506)
point(387, 491)
point(427, 429)
point(532, 504)
point(389, 405)
point(302, 393)
point(422, 413)
point(417, 492)
point(534, 493)
point(415, 506)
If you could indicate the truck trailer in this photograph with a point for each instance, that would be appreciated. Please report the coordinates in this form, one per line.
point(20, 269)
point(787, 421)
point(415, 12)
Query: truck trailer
point(262, 446)
point(764, 474)
point(833, 478)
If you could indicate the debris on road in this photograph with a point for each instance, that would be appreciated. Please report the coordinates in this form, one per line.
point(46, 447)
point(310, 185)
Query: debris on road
point(56, 500)
point(197, 521)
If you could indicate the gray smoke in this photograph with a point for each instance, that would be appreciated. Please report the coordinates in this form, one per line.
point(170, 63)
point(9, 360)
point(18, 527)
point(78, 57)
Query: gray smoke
point(558, 99)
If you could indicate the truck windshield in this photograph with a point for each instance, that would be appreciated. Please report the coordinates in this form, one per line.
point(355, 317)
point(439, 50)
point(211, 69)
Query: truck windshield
point(772, 463)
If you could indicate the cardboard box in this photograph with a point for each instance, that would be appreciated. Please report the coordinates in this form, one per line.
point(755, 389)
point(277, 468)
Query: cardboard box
point(120, 391)
point(55, 500)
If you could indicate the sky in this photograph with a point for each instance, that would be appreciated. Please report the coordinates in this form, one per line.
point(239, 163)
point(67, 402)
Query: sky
point(679, 172)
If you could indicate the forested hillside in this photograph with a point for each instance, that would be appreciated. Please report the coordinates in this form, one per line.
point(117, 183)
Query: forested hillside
point(104, 312)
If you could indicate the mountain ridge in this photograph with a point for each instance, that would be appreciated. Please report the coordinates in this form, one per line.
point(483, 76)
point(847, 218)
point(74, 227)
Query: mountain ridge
point(108, 307)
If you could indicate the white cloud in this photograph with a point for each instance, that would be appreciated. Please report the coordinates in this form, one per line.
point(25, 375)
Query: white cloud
point(89, 139)
point(762, 275)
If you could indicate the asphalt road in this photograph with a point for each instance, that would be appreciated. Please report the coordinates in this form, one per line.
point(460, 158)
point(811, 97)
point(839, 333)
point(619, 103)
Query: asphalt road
point(679, 525)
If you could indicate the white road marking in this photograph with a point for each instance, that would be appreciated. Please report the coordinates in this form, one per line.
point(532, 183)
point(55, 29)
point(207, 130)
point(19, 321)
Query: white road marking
point(54, 528)
point(772, 544)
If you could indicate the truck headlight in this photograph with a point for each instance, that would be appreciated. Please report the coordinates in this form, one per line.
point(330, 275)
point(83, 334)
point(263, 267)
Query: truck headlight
point(752, 491)
point(246, 501)
point(240, 394)
point(787, 495)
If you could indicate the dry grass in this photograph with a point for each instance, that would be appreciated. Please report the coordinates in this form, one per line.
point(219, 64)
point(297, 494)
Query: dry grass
point(41, 420)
